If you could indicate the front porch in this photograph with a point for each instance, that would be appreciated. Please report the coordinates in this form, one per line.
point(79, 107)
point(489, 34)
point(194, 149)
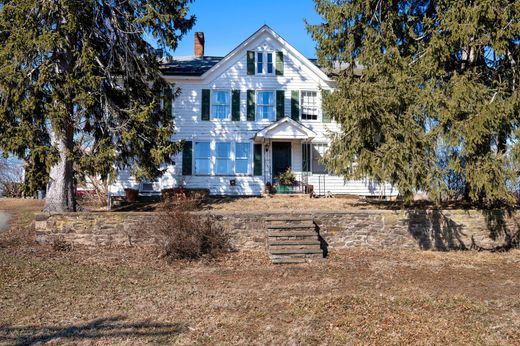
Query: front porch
point(282, 158)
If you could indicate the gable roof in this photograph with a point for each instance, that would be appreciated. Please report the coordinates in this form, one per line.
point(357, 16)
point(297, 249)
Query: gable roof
point(202, 66)
point(285, 128)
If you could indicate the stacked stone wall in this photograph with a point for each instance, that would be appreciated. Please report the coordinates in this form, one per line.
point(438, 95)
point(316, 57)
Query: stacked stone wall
point(381, 229)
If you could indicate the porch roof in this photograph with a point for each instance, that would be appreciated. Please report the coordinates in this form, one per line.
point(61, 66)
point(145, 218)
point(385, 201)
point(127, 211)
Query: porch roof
point(285, 128)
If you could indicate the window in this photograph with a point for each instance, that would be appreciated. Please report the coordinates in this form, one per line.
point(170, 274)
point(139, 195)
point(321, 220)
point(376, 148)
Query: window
point(202, 158)
point(264, 63)
point(318, 150)
point(220, 104)
point(260, 63)
point(309, 105)
point(265, 105)
point(269, 63)
point(223, 159)
point(242, 155)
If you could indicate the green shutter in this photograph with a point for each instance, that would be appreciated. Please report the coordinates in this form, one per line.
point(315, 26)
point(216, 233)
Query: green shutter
point(187, 153)
point(295, 105)
point(168, 101)
point(235, 105)
point(250, 105)
point(280, 104)
point(279, 63)
point(205, 104)
point(325, 116)
point(257, 159)
point(250, 62)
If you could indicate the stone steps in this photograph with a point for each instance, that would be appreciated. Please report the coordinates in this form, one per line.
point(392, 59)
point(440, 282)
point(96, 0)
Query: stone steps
point(289, 218)
point(304, 226)
point(290, 234)
point(288, 260)
point(280, 242)
point(295, 246)
point(292, 240)
point(294, 251)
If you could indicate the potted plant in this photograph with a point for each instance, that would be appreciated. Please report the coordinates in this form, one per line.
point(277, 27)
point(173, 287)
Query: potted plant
point(287, 178)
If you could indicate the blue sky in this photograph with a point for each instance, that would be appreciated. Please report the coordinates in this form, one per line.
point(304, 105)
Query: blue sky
point(226, 23)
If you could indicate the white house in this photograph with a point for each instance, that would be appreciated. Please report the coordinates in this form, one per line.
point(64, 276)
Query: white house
point(247, 117)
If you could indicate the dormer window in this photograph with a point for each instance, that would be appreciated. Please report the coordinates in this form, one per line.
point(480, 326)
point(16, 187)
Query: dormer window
point(264, 63)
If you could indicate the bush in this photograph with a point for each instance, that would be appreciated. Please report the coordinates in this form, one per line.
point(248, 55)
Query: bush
point(184, 236)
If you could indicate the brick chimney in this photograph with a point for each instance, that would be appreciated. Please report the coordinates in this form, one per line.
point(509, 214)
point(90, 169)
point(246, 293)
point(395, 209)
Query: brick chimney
point(199, 45)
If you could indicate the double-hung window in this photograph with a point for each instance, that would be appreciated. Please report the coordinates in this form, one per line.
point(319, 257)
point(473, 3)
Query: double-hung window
point(259, 63)
point(264, 63)
point(223, 159)
point(202, 158)
point(309, 105)
point(242, 155)
point(265, 105)
point(269, 57)
point(220, 104)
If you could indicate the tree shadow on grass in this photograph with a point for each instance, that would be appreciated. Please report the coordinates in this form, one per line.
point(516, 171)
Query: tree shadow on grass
point(112, 327)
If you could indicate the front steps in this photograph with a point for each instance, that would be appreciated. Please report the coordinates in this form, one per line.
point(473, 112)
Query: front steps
point(292, 240)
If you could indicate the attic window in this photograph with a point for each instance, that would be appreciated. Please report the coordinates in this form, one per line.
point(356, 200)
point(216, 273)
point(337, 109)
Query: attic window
point(264, 63)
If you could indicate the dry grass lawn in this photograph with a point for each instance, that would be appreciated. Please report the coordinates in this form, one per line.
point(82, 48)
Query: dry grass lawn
point(128, 296)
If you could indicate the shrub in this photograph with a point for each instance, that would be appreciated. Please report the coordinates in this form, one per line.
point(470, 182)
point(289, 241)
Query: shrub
point(287, 177)
point(185, 236)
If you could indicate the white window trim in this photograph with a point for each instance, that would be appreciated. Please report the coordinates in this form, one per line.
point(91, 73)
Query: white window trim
point(213, 159)
point(318, 105)
point(257, 118)
point(264, 63)
point(211, 114)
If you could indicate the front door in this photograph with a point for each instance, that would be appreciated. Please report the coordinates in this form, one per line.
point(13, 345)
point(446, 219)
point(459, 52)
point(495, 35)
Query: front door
point(281, 157)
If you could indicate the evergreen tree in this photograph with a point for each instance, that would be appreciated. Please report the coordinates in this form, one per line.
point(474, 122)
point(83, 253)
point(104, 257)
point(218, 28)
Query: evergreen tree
point(75, 68)
point(437, 97)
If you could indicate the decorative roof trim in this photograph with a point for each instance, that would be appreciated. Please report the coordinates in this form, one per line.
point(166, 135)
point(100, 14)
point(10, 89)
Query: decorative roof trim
point(306, 132)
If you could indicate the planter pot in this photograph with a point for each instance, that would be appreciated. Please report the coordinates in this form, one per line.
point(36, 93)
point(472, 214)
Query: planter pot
point(284, 188)
point(131, 195)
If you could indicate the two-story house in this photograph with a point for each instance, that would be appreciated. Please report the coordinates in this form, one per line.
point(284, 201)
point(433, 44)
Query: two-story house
point(247, 117)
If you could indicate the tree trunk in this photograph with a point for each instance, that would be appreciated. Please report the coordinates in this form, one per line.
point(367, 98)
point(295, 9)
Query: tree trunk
point(60, 189)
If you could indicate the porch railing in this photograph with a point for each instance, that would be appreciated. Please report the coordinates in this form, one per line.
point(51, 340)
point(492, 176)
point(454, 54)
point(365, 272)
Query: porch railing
point(301, 185)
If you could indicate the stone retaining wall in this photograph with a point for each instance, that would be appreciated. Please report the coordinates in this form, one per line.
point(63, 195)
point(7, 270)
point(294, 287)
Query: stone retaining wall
point(412, 229)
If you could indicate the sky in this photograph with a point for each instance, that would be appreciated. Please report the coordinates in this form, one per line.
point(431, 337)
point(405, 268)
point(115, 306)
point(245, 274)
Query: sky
point(226, 23)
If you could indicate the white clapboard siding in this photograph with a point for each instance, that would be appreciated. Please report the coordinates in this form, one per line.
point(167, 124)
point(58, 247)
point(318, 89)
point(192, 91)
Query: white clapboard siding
point(123, 181)
point(325, 184)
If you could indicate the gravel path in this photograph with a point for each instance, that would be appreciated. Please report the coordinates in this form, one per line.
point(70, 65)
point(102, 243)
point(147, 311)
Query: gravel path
point(4, 218)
